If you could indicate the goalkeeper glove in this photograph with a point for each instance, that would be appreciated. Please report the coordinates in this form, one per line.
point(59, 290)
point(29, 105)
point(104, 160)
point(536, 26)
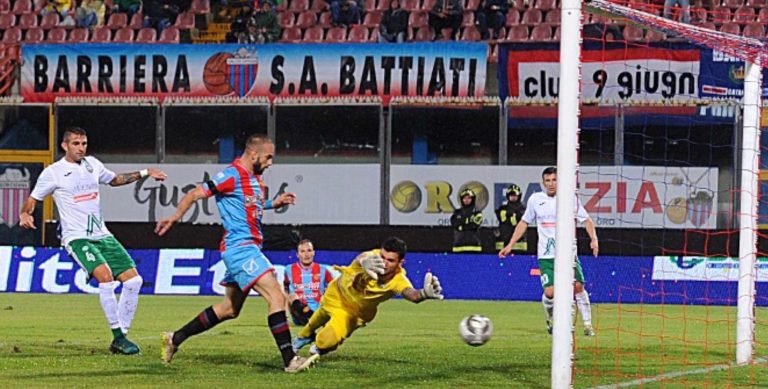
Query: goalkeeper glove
point(300, 312)
point(372, 264)
point(432, 288)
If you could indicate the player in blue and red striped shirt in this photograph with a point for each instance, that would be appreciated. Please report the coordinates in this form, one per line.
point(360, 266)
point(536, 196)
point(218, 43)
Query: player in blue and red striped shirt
point(240, 197)
point(305, 282)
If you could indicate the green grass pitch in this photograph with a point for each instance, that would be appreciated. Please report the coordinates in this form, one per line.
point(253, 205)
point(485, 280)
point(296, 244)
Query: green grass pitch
point(61, 341)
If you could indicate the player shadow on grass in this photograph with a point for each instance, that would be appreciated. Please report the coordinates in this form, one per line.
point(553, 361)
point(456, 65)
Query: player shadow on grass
point(148, 371)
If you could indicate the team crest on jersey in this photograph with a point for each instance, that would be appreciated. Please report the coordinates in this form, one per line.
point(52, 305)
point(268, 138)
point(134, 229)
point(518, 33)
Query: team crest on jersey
point(250, 201)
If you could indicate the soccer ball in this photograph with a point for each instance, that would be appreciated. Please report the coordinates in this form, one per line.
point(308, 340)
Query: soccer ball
point(475, 329)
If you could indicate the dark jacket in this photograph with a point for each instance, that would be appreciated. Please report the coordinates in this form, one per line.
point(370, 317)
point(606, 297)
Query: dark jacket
point(394, 21)
point(451, 7)
point(502, 4)
point(466, 222)
point(509, 214)
point(269, 21)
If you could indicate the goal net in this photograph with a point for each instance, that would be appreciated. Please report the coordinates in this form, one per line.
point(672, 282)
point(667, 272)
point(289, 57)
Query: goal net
point(669, 134)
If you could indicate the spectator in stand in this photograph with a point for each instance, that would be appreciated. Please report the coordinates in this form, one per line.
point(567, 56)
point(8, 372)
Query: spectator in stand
point(155, 15)
point(240, 24)
point(684, 4)
point(344, 12)
point(602, 32)
point(263, 27)
point(491, 17)
point(90, 13)
point(174, 8)
point(446, 14)
point(394, 24)
point(129, 7)
point(63, 8)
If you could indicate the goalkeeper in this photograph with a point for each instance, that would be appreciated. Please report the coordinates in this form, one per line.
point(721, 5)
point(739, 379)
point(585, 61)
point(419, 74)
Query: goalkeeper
point(351, 299)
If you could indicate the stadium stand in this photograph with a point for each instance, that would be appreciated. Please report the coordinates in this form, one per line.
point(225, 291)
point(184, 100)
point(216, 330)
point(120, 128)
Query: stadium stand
point(170, 35)
point(117, 21)
point(12, 35)
point(137, 21)
point(34, 35)
point(310, 21)
point(101, 35)
point(358, 34)
point(372, 19)
point(423, 34)
point(291, 35)
point(27, 21)
point(146, 35)
point(79, 35)
point(325, 20)
point(518, 33)
point(313, 35)
point(123, 35)
point(541, 33)
point(57, 35)
point(22, 7)
point(306, 19)
point(7, 21)
point(49, 21)
point(336, 35)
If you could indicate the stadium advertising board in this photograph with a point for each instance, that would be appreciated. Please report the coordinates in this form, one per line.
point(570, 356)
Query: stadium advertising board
point(615, 197)
point(613, 71)
point(415, 69)
point(703, 269)
point(198, 272)
point(617, 71)
point(324, 194)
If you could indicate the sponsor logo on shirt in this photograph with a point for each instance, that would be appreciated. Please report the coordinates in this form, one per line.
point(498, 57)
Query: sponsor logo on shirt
point(86, 197)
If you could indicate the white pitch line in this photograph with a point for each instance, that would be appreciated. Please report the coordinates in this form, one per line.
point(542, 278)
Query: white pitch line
point(675, 374)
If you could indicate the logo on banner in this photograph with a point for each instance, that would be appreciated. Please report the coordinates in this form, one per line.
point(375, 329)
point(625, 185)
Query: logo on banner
point(700, 208)
point(225, 73)
point(14, 189)
point(406, 196)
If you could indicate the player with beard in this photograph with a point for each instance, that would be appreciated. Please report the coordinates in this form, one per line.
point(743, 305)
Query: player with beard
point(240, 196)
point(542, 210)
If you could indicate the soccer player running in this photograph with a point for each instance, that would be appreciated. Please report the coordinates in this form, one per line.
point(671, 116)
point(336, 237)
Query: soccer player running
point(240, 197)
point(352, 299)
point(305, 282)
point(542, 208)
point(74, 183)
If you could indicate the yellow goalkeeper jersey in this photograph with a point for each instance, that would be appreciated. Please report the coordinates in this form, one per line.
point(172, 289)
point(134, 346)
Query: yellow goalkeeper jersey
point(361, 294)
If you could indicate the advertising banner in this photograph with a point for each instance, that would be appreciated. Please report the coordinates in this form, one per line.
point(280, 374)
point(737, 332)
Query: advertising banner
point(616, 71)
point(615, 197)
point(609, 72)
point(16, 182)
point(160, 70)
point(326, 194)
point(703, 269)
point(198, 272)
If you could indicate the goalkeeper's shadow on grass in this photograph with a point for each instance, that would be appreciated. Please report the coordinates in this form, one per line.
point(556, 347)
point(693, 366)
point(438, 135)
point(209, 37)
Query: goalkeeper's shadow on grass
point(116, 373)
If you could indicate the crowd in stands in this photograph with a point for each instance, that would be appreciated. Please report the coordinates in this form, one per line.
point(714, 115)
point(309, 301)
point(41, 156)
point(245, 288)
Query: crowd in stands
point(265, 21)
point(97, 20)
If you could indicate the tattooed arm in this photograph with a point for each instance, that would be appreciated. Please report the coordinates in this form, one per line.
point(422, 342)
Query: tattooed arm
point(127, 178)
